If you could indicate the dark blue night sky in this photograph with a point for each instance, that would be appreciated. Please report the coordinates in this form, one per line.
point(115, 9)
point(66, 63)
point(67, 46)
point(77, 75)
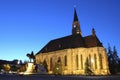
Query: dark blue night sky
point(28, 25)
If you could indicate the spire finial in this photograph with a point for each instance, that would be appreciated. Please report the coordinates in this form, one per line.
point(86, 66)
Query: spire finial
point(75, 14)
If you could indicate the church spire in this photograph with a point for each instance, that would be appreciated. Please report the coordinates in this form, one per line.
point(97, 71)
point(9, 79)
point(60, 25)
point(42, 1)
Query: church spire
point(76, 24)
point(75, 15)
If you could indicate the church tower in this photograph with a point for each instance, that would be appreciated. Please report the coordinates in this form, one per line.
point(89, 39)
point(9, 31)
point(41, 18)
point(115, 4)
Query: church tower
point(76, 24)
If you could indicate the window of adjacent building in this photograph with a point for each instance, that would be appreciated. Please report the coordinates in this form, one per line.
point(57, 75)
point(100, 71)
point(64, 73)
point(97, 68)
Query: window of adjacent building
point(100, 57)
point(65, 58)
point(95, 61)
point(81, 61)
point(77, 61)
point(51, 64)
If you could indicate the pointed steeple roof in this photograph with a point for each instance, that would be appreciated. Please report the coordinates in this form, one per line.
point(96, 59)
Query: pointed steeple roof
point(76, 24)
point(75, 15)
point(93, 32)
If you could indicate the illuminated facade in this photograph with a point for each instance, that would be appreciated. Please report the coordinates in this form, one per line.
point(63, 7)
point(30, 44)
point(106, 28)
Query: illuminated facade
point(75, 54)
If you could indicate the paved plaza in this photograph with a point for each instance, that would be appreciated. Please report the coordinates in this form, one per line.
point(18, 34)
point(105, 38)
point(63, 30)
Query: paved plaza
point(53, 77)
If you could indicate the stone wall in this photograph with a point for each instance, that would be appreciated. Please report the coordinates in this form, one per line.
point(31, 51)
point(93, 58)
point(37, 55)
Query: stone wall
point(76, 59)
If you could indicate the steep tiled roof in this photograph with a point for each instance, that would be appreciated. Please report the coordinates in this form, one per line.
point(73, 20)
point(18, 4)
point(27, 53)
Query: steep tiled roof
point(72, 41)
point(92, 41)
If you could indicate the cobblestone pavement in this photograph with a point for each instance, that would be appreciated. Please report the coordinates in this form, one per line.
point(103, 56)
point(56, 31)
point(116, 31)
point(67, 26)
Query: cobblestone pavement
point(53, 77)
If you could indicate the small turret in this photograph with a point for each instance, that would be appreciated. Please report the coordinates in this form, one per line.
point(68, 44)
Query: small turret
point(93, 32)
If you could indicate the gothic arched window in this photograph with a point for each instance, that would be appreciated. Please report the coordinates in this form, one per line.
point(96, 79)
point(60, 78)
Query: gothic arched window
point(95, 61)
point(59, 60)
point(51, 64)
point(89, 60)
point(81, 61)
point(77, 61)
point(65, 60)
point(100, 57)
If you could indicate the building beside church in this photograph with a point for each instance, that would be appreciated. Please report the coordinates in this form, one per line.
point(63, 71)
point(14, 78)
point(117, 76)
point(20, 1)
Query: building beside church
point(75, 54)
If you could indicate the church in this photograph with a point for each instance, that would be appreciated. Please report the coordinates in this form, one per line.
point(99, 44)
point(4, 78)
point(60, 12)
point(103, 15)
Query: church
point(75, 54)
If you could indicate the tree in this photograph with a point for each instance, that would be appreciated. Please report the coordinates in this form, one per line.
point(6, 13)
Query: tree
point(14, 68)
point(113, 60)
point(57, 69)
point(88, 71)
point(115, 55)
point(119, 65)
point(6, 67)
point(109, 52)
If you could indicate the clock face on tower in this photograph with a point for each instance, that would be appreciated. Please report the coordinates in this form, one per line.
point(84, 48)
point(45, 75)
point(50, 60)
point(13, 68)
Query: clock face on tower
point(74, 26)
